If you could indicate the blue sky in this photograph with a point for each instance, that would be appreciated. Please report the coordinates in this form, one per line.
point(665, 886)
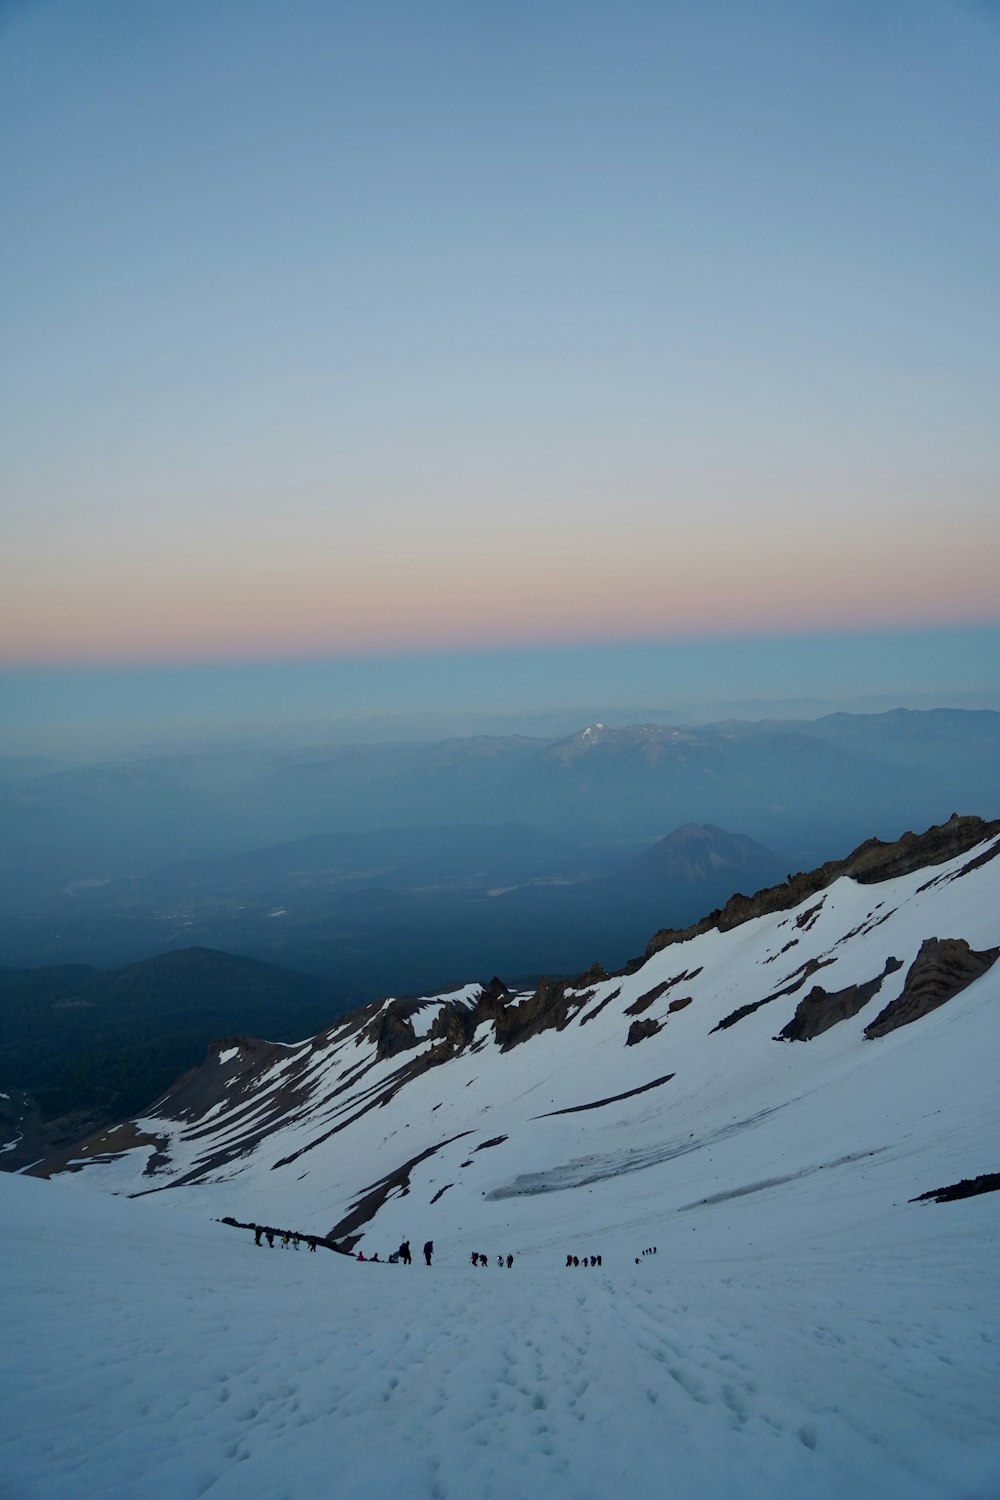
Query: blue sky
point(345, 331)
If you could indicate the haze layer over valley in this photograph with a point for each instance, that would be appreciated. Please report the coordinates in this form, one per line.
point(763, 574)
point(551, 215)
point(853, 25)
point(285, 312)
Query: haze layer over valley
point(402, 866)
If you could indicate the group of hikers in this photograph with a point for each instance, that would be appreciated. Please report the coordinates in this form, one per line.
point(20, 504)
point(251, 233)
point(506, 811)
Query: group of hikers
point(287, 1237)
point(294, 1239)
point(402, 1255)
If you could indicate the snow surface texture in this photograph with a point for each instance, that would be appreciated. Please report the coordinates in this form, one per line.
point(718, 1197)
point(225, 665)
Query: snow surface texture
point(802, 1330)
point(150, 1356)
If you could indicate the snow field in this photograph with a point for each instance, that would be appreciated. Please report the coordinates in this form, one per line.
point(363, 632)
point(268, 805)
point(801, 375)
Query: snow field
point(156, 1357)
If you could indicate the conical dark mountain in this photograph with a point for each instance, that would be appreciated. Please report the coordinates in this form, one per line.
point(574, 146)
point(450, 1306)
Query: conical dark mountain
point(700, 853)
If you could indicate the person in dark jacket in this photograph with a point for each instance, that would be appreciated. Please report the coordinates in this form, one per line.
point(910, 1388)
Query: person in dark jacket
point(428, 1251)
point(404, 1253)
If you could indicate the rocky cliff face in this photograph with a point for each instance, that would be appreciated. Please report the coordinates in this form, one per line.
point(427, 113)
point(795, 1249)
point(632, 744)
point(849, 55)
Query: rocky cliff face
point(822, 1009)
point(941, 970)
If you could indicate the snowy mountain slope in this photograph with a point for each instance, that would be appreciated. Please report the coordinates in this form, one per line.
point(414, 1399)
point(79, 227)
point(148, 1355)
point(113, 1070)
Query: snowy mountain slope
point(803, 1328)
point(154, 1355)
point(433, 1118)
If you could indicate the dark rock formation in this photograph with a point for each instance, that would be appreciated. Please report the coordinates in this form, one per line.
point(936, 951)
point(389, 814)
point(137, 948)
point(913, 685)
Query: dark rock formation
point(969, 1187)
point(822, 1008)
point(593, 975)
point(553, 1004)
point(871, 862)
point(591, 1014)
point(372, 1198)
point(645, 1001)
point(798, 978)
point(456, 1021)
point(941, 970)
point(649, 998)
point(392, 1030)
point(105, 1146)
point(578, 1109)
point(640, 1030)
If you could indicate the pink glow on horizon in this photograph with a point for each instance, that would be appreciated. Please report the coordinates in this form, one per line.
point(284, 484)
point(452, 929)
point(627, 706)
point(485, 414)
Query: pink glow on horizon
point(497, 566)
point(477, 614)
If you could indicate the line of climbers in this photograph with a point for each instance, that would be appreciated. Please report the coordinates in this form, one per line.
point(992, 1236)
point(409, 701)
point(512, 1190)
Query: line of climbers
point(293, 1238)
point(288, 1237)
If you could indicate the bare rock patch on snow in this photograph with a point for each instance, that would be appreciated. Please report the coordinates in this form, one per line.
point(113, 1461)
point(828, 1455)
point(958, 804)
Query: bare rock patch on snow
point(942, 969)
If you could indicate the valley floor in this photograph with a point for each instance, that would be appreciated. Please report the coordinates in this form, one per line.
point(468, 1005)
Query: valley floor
point(150, 1355)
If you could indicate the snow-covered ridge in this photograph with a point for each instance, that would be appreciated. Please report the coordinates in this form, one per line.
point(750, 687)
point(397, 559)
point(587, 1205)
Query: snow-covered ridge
point(483, 1097)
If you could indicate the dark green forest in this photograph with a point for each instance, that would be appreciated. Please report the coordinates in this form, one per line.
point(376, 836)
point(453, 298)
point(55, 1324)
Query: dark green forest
point(109, 1043)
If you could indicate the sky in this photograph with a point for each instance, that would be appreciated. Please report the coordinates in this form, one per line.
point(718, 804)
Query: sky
point(365, 331)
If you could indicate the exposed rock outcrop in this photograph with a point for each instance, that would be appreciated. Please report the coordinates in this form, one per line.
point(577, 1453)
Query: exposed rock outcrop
point(392, 1030)
point(552, 1005)
point(456, 1021)
point(822, 1008)
point(869, 863)
point(373, 1197)
point(651, 996)
point(797, 980)
point(942, 969)
point(969, 1187)
point(640, 1030)
point(105, 1146)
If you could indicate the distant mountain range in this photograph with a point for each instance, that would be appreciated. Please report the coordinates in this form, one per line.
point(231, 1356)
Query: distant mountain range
point(404, 867)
